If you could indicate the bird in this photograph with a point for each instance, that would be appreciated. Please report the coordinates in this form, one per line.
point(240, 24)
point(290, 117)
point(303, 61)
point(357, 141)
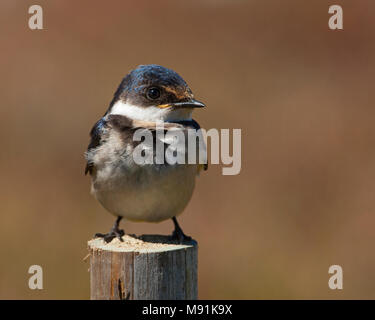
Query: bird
point(148, 95)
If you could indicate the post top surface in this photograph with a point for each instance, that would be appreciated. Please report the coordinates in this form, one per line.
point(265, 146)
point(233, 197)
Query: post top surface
point(142, 244)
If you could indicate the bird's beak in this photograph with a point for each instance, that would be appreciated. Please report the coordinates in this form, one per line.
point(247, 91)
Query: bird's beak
point(188, 104)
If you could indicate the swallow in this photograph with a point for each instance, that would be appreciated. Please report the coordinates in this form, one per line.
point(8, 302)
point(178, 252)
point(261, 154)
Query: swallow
point(149, 192)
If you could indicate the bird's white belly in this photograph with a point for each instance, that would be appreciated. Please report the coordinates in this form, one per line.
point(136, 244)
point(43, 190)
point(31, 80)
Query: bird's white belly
point(147, 194)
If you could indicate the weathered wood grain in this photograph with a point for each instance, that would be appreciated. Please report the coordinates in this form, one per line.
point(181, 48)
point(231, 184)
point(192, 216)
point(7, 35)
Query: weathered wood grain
point(150, 267)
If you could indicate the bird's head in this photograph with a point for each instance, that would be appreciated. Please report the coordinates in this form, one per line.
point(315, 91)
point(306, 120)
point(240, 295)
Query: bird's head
point(154, 93)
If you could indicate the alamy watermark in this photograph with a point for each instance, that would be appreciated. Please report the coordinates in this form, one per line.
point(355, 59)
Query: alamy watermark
point(188, 146)
point(36, 280)
point(336, 20)
point(35, 21)
point(336, 280)
point(36, 18)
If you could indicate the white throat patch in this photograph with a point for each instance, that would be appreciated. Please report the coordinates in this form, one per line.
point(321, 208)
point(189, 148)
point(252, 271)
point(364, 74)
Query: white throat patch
point(151, 113)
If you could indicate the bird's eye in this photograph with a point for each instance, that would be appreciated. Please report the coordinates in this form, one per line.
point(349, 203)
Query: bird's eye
point(153, 93)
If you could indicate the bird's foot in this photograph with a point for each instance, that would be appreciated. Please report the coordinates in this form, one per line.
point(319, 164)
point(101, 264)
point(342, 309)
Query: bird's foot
point(179, 236)
point(115, 232)
point(108, 237)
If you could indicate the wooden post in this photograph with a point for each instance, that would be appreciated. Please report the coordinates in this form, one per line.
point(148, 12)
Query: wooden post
point(150, 267)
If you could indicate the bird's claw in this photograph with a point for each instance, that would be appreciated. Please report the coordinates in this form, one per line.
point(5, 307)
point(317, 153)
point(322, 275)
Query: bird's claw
point(180, 237)
point(108, 237)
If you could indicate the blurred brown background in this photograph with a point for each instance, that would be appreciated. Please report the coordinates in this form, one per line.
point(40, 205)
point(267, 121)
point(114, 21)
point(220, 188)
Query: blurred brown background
point(302, 94)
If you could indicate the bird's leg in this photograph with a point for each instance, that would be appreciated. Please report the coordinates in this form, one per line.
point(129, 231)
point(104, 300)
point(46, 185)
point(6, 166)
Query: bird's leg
point(114, 233)
point(178, 234)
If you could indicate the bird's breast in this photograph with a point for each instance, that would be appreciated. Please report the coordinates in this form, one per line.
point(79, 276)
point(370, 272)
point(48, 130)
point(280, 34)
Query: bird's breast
point(149, 192)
